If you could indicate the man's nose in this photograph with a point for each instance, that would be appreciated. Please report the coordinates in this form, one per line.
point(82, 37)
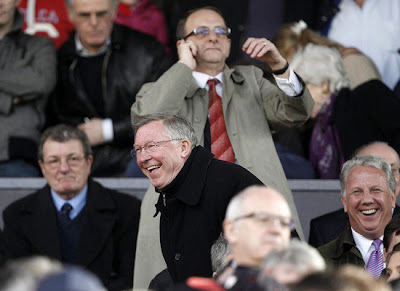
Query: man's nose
point(93, 20)
point(212, 35)
point(64, 166)
point(142, 156)
point(368, 197)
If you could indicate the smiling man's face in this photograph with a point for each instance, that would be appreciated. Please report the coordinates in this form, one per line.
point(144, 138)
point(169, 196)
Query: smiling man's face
point(160, 163)
point(368, 201)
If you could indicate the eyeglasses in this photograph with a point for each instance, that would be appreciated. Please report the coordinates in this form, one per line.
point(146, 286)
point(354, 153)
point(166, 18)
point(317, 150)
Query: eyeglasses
point(100, 15)
point(204, 30)
point(71, 160)
point(149, 147)
point(263, 218)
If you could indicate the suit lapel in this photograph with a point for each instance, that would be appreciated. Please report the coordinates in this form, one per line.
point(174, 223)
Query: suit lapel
point(40, 225)
point(97, 224)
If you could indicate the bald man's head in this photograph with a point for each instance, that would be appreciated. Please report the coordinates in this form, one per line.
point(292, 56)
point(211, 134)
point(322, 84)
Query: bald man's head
point(257, 220)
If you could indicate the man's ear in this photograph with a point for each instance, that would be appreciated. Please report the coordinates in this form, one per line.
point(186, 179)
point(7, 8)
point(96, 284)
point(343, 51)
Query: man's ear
point(343, 200)
point(230, 232)
point(41, 166)
point(186, 148)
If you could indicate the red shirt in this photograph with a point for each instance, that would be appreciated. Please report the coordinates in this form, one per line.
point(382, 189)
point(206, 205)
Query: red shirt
point(47, 18)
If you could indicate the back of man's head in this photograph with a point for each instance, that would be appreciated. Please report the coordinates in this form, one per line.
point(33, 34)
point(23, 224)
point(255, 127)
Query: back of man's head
point(290, 264)
point(257, 220)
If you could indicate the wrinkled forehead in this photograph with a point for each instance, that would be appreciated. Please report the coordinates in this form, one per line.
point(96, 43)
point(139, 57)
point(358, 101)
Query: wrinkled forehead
point(204, 17)
point(152, 131)
point(266, 201)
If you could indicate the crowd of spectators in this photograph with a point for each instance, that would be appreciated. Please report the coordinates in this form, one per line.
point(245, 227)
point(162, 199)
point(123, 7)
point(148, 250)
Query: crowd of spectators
point(81, 81)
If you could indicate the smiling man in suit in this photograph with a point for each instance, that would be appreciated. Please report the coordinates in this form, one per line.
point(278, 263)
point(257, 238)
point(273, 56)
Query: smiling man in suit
point(74, 219)
point(327, 227)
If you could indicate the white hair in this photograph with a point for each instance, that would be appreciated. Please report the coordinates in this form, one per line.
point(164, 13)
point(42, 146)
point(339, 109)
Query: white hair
point(298, 256)
point(316, 64)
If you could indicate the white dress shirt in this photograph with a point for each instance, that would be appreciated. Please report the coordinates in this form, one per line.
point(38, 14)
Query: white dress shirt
point(365, 245)
point(375, 30)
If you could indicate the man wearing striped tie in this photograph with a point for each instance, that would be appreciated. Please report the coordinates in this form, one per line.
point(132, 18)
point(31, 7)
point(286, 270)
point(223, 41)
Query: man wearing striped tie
point(232, 110)
point(367, 190)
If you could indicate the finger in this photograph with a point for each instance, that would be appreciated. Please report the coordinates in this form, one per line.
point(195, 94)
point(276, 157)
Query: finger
point(251, 46)
point(193, 48)
point(247, 43)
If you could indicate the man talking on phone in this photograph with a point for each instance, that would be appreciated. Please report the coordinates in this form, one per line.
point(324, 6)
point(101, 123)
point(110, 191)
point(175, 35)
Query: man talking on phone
point(232, 110)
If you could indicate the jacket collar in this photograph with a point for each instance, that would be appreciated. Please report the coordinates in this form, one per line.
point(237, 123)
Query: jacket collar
point(345, 242)
point(193, 177)
point(229, 74)
point(68, 49)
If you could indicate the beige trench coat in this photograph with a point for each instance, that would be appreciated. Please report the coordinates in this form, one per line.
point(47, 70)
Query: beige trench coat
point(253, 107)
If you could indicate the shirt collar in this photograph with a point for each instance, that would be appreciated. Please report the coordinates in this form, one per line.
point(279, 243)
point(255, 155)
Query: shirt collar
point(201, 78)
point(77, 203)
point(363, 243)
point(85, 53)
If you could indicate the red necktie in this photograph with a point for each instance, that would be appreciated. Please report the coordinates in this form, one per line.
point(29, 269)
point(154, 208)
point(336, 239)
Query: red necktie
point(221, 146)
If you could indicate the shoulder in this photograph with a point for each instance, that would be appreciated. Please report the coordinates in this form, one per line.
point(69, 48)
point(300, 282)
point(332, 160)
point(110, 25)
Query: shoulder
point(232, 173)
point(331, 217)
point(121, 200)
point(327, 250)
point(25, 204)
point(126, 37)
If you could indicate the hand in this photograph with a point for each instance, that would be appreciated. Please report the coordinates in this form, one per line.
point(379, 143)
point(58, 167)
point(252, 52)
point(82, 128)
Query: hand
point(346, 51)
point(187, 52)
point(264, 50)
point(94, 131)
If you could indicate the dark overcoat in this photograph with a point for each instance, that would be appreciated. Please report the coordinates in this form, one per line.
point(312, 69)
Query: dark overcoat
point(106, 242)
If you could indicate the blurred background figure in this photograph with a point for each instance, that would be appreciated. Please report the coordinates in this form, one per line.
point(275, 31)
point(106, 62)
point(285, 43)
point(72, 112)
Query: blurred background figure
point(27, 76)
point(144, 16)
point(46, 18)
point(25, 274)
point(294, 36)
point(393, 264)
point(72, 278)
point(292, 263)
point(344, 119)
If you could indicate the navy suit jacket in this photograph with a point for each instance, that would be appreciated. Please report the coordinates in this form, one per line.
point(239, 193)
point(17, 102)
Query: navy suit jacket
point(107, 241)
point(327, 227)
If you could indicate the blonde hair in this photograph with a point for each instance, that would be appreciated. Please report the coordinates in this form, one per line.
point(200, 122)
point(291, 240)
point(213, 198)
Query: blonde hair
point(296, 35)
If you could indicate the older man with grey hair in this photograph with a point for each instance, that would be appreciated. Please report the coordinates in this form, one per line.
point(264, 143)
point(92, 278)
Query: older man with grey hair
point(194, 190)
point(367, 189)
point(292, 263)
point(101, 68)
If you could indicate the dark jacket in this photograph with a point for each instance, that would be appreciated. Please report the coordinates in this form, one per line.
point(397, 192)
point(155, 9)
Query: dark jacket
point(194, 209)
point(327, 227)
point(27, 76)
point(342, 250)
point(132, 59)
point(106, 242)
point(366, 114)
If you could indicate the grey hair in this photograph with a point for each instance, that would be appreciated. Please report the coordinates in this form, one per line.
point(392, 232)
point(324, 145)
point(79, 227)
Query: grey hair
point(317, 63)
point(64, 133)
point(69, 4)
point(219, 251)
point(176, 126)
point(24, 274)
point(297, 256)
point(367, 161)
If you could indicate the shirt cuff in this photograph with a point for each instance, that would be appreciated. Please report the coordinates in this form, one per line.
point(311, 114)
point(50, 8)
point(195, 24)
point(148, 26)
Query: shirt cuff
point(292, 86)
point(108, 131)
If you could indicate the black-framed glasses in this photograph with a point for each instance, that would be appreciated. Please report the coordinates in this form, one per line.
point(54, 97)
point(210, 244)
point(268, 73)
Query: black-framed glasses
point(204, 30)
point(71, 160)
point(264, 218)
point(149, 147)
